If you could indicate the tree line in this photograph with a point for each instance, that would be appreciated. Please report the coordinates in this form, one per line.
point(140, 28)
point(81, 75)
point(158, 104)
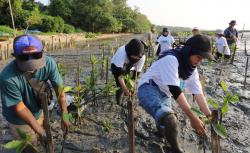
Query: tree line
point(74, 16)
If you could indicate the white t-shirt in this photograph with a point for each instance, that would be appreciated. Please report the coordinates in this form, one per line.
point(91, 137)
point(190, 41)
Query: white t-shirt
point(120, 59)
point(221, 42)
point(165, 42)
point(164, 72)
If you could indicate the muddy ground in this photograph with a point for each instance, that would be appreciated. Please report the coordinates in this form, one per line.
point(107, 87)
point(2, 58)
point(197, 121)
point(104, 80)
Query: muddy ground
point(92, 136)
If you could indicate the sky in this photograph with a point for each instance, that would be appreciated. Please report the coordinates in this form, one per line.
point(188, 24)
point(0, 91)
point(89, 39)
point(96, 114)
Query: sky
point(204, 14)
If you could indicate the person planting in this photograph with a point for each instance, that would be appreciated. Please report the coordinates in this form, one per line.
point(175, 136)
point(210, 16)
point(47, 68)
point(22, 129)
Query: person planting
point(162, 80)
point(129, 57)
point(22, 83)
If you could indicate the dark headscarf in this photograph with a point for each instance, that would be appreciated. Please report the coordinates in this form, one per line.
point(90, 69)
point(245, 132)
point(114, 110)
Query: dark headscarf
point(185, 68)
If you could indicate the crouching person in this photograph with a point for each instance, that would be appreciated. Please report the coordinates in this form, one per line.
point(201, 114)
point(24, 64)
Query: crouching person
point(162, 80)
point(222, 48)
point(19, 81)
point(129, 57)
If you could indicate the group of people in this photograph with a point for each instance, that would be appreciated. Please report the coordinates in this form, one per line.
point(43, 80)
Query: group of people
point(156, 87)
point(224, 41)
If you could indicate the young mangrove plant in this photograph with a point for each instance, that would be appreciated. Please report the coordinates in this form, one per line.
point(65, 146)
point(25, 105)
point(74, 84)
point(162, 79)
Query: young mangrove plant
point(221, 107)
point(24, 143)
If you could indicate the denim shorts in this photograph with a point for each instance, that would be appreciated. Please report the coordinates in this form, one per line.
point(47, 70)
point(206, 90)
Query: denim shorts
point(154, 101)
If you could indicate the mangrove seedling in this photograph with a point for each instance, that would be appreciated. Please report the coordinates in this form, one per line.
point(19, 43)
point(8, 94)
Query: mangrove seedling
point(25, 142)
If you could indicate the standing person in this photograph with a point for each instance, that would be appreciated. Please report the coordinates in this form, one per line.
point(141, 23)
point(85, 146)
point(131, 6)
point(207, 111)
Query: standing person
point(195, 31)
point(221, 45)
point(151, 40)
point(162, 80)
point(21, 103)
point(166, 42)
point(129, 57)
point(231, 34)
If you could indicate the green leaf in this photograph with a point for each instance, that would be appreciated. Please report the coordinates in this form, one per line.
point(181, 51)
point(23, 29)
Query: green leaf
point(223, 86)
point(22, 134)
point(220, 130)
point(77, 88)
point(67, 88)
point(20, 148)
point(197, 112)
point(13, 144)
point(67, 116)
point(213, 103)
point(234, 98)
point(225, 108)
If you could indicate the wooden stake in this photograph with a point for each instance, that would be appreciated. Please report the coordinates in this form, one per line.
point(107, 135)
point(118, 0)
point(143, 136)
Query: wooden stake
point(107, 70)
point(102, 66)
point(245, 80)
point(214, 137)
point(131, 126)
point(49, 145)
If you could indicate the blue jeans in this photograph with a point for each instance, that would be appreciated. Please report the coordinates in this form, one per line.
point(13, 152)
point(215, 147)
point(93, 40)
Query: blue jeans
point(154, 101)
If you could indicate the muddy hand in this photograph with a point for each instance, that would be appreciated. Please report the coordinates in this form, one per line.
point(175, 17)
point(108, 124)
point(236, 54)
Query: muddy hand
point(43, 139)
point(198, 126)
point(65, 125)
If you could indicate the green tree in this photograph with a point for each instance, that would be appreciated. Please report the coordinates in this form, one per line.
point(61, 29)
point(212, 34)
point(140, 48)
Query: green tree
point(62, 8)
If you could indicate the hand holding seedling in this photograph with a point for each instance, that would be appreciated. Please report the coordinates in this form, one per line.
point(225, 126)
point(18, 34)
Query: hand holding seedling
point(198, 126)
point(43, 139)
point(65, 122)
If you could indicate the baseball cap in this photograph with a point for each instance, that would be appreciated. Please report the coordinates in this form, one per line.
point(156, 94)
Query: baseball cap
point(232, 22)
point(28, 51)
point(200, 45)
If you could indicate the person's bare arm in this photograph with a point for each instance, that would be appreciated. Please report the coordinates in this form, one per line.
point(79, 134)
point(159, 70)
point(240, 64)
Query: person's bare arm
point(123, 86)
point(24, 113)
point(63, 105)
point(62, 101)
point(196, 123)
point(201, 101)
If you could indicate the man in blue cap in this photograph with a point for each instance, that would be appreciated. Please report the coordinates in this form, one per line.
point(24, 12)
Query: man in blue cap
point(21, 106)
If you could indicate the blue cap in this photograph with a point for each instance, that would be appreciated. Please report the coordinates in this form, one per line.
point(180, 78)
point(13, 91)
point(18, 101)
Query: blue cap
point(27, 44)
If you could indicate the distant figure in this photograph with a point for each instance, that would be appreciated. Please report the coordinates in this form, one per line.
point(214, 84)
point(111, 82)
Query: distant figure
point(231, 33)
point(221, 45)
point(195, 31)
point(151, 40)
point(166, 42)
point(129, 57)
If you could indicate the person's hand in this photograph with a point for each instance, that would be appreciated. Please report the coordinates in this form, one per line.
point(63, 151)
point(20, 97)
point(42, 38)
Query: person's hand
point(198, 126)
point(65, 122)
point(43, 138)
point(234, 38)
point(127, 92)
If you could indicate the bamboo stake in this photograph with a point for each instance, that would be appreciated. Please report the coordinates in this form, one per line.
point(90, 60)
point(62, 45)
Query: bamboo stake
point(12, 18)
point(131, 127)
point(214, 137)
point(49, 144)
point(107, 70)
point(102, 66)
point(64, 139)
point(52, 37)
point(245, 80)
